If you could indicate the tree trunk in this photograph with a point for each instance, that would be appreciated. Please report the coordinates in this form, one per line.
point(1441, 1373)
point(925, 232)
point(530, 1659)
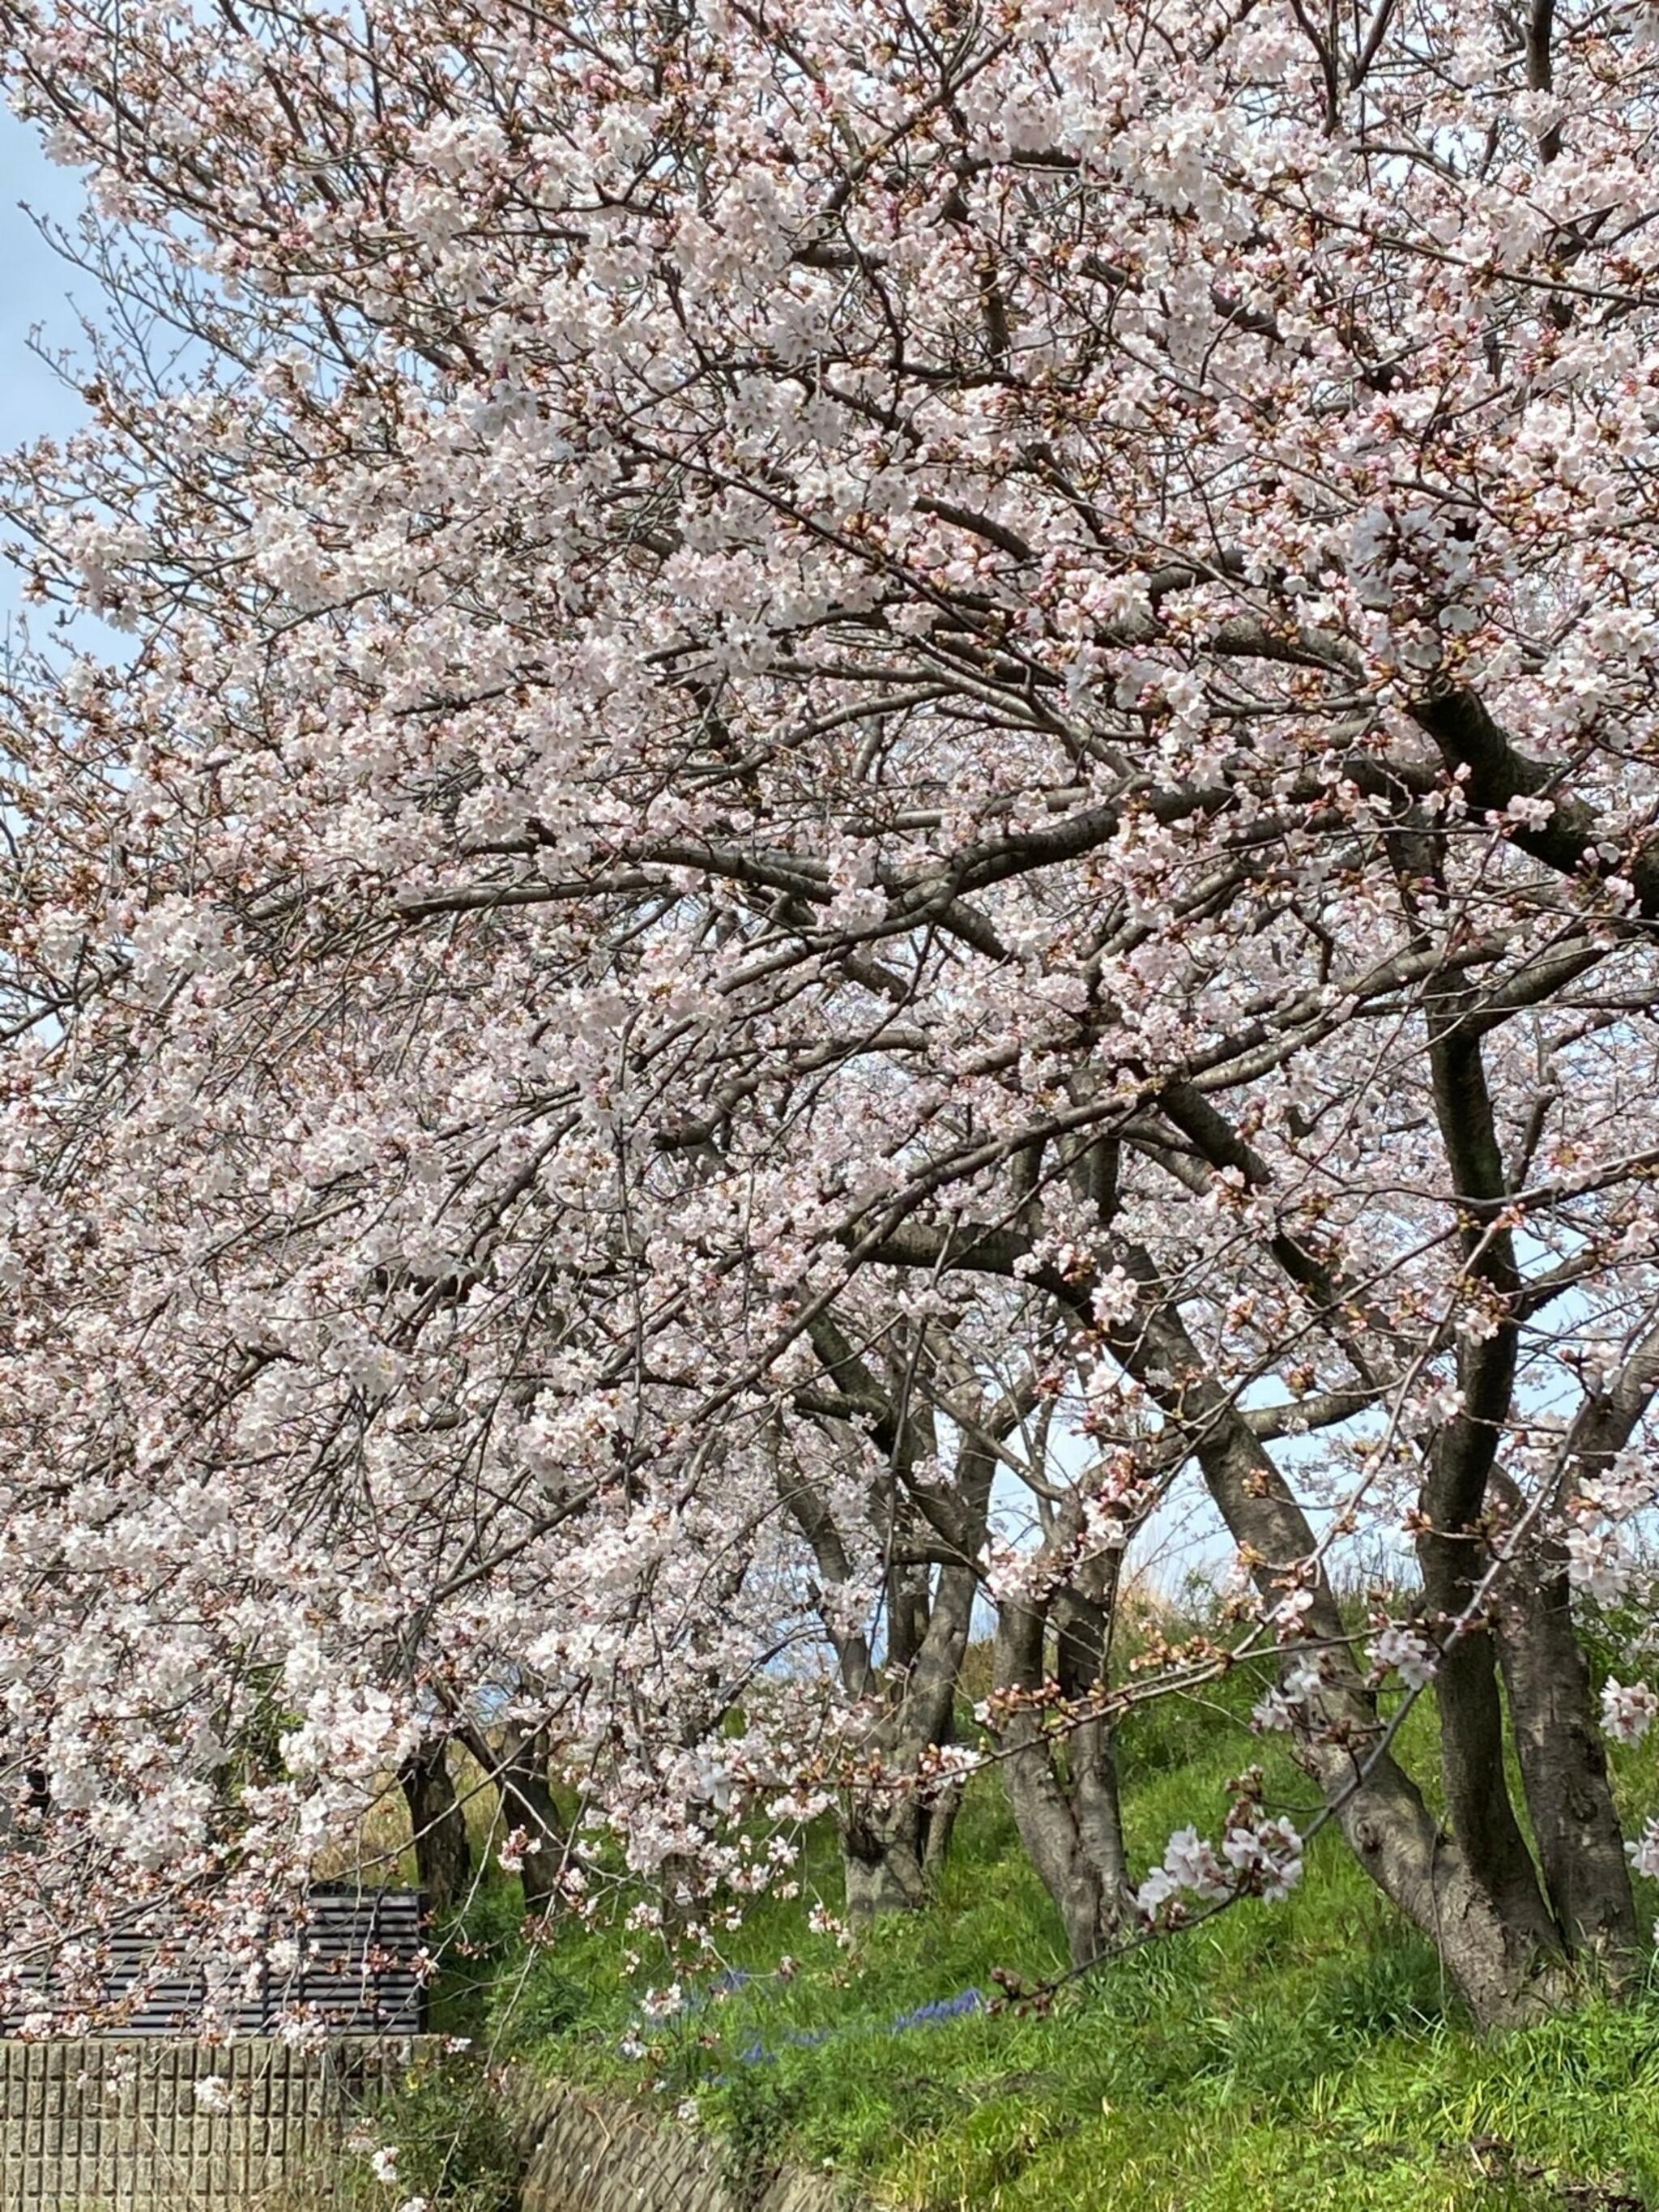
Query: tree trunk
point(1583, 1903)
point(1564, 1765)
point(528, 1802)
point(1067, 1814)
point(1505, 1973)
point(941, 1828)
point(519, 1770)
point(893, 1853)
point(1476, 1786)
point(939, 1813)
point(894, 1842)
point(884, 1859)
point(443, 1855)
point(1564, 1769)
point(894, 1836)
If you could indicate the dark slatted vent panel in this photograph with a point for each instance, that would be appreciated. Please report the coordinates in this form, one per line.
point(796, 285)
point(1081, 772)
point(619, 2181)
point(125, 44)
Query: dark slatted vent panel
point(357, 1962)
point(356, 1974)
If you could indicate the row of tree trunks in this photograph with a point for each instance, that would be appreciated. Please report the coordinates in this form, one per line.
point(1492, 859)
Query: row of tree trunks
point(516, 1769)
point(1522, 1914)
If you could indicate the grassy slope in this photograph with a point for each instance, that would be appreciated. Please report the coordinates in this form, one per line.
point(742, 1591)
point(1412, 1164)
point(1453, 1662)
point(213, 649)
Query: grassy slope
point(1290, 2058)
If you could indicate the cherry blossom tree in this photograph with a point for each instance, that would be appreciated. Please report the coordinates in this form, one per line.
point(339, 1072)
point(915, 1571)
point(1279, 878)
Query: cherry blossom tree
point(810, 684)
point(897, 1521)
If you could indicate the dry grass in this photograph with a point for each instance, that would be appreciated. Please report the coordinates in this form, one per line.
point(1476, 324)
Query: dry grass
point(382, 1849)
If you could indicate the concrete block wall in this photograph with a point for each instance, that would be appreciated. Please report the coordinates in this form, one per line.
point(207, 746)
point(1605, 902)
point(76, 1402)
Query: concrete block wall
point(120, 2126)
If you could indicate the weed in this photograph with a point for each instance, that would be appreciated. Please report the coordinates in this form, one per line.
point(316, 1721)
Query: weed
point(447, 2130)
point(758, 2113)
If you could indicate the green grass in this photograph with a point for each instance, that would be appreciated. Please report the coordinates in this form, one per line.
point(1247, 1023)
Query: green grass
point(1298, 2057)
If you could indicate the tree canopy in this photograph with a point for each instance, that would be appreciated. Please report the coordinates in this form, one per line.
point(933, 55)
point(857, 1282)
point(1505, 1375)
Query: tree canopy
point(888, 784)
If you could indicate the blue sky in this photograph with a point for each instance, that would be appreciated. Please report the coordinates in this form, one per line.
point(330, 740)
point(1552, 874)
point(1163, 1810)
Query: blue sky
point(34, 288)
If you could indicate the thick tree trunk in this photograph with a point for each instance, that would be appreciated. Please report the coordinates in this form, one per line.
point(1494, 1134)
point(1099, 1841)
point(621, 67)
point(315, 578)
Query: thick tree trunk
point(1505, 1974)
point(518, 1767)
point(443, 1857)
point(1564, 1769)
point(894, 1842)
point(884, 1859)
point(1476, 1786)
point(941, 1828)
point(528, 1802)
point(1451, 1549)
point(1564, 1764)
point(1502, 1975)
point(1063, 1790)
point(1081, 1656)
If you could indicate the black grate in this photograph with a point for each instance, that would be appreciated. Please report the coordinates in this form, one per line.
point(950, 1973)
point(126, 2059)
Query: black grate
point(357, 1975)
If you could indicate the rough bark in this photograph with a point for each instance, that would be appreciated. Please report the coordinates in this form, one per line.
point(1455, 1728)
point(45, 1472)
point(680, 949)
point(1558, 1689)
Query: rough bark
point(941, 1828)
point(1081, 1666)
point(1564, 1767)
point(1504, 1974)
point(1563, 1761)
point(528, 1802)
point(443, 1855)
point(518, 1767)
point(894, 1847)
point(1451, 1550)
point(884, 1859)
point(1472, 1744)
point(895, 1840)
point(1062, 1785)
